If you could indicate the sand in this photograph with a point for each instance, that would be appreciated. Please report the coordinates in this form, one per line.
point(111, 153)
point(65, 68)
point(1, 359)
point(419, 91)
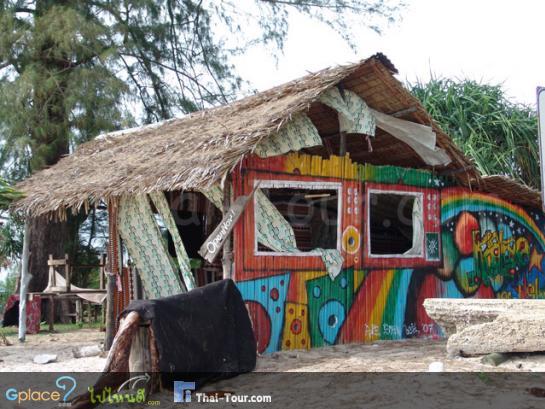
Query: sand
point(18, 357)
point(411, 355)
point(322, 378)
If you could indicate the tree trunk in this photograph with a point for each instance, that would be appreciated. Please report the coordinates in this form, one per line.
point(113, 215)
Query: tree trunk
point(46, 237)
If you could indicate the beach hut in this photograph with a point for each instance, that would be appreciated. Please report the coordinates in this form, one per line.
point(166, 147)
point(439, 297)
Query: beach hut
point(334, 202)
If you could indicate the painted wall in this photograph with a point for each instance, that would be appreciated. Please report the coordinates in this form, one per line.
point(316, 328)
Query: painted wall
point(486, 247)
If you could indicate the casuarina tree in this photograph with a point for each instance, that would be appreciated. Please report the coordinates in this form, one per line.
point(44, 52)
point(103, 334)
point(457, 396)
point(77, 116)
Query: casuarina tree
point(70, 70)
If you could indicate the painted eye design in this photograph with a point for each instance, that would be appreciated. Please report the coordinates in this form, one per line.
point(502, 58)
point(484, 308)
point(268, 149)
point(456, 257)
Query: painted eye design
point(351, 240)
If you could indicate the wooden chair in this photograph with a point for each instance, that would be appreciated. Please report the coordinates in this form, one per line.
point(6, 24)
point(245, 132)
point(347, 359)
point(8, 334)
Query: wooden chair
point(56, 290)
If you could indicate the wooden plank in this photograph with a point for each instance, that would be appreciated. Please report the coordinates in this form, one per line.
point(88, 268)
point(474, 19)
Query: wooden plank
point(56, 262)
point(221, 237)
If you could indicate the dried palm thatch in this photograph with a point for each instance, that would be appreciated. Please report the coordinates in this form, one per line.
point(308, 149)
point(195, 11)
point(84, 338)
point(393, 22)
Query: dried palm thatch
point(195, 151)
point(516, 192)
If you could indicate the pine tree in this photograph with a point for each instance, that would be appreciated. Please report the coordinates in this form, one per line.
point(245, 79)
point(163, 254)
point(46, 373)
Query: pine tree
point(70, 70)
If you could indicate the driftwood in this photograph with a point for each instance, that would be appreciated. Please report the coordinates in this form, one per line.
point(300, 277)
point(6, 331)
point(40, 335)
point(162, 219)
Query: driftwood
point(140, 354)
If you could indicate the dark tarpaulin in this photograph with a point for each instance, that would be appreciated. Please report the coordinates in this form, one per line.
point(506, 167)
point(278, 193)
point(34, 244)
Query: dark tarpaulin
point(204, 334)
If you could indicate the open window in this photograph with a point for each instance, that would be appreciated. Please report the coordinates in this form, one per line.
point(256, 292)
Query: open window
point(297, 217)
point(395, 224)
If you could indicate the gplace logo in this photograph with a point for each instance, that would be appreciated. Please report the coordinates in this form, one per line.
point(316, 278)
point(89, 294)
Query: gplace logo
point(182, 391)
point(65, 383)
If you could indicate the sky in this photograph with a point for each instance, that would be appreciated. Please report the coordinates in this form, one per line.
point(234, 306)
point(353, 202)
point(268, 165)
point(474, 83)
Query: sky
point(495, 41)
point(485, 40)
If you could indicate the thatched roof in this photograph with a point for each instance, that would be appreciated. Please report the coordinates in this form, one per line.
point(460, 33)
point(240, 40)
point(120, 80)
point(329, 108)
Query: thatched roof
point(197, 150)
point(512, 190)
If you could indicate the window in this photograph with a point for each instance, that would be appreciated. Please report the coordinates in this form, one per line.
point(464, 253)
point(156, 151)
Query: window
point(297, 217)
point(395, 223)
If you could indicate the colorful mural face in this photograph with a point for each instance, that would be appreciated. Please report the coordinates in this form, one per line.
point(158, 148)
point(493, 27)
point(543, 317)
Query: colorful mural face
point(483, 247)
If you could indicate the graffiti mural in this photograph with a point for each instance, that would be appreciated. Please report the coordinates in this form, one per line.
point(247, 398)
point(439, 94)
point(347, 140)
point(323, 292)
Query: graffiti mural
point(473, 245)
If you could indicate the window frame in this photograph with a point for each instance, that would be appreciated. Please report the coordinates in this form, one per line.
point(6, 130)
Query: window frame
point(298, 184)
point(419, 196)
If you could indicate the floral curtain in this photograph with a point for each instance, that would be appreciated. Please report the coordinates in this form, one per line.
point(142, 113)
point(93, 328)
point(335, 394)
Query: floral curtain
point(354, 114)
point(275, 232)
point(142, 237)
point(162, 206)
point(297, 134)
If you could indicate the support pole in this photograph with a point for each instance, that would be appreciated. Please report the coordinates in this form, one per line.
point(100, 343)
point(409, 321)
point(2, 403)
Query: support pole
point(227, 245)
point(25, 280)
point(111, 273)
point(110, 312)
point(342, 144)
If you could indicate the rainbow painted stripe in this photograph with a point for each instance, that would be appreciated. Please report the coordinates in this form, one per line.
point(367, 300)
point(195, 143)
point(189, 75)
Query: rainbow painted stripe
point(456, 200)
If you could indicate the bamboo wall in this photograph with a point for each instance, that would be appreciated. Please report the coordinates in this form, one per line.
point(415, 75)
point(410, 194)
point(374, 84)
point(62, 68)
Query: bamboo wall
point(475, 245)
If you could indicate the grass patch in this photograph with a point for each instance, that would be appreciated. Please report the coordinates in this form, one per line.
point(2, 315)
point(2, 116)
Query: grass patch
point(59, 328)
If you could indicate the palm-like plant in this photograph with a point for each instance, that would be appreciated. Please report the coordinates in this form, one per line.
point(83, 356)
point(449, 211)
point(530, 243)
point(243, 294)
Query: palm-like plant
point(498, 134)
point(7, 194)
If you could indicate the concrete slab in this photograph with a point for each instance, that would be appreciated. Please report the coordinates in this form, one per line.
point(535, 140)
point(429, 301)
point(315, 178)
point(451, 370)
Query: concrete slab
point(509, 332)
point(455, 314)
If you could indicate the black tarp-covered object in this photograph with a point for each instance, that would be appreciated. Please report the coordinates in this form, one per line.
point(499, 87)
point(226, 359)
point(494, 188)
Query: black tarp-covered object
point(206, 331)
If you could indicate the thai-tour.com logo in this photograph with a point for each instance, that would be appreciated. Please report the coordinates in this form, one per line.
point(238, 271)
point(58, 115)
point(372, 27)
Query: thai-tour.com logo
point(64, 388)
point(184, 392)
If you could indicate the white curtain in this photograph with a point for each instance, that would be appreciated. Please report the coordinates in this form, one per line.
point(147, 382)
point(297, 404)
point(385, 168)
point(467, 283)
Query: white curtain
point(419, 137)
point(418, 229)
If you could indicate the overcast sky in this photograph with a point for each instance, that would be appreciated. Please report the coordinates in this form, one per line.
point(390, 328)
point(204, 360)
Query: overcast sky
point(494, 41)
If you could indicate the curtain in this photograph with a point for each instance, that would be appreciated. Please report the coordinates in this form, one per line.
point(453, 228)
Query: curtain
point(356, 117)
point(142, 237)
point(162, 206)
point(274, 231)
point(419, 137)
point(354, 114)
point(418, 230)
point(295, 135)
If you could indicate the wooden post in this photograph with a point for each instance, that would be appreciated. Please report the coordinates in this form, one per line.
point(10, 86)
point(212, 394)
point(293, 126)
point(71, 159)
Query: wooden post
point(102, 264)
point(51, 311)
point(67, 273)
point(113, 270)
point(227, 246)
point(136, 284)
point(342, 145)
point(79, 312)
point(110, 312)
point(88, 308)
point(25, 280)
point(52, 274)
